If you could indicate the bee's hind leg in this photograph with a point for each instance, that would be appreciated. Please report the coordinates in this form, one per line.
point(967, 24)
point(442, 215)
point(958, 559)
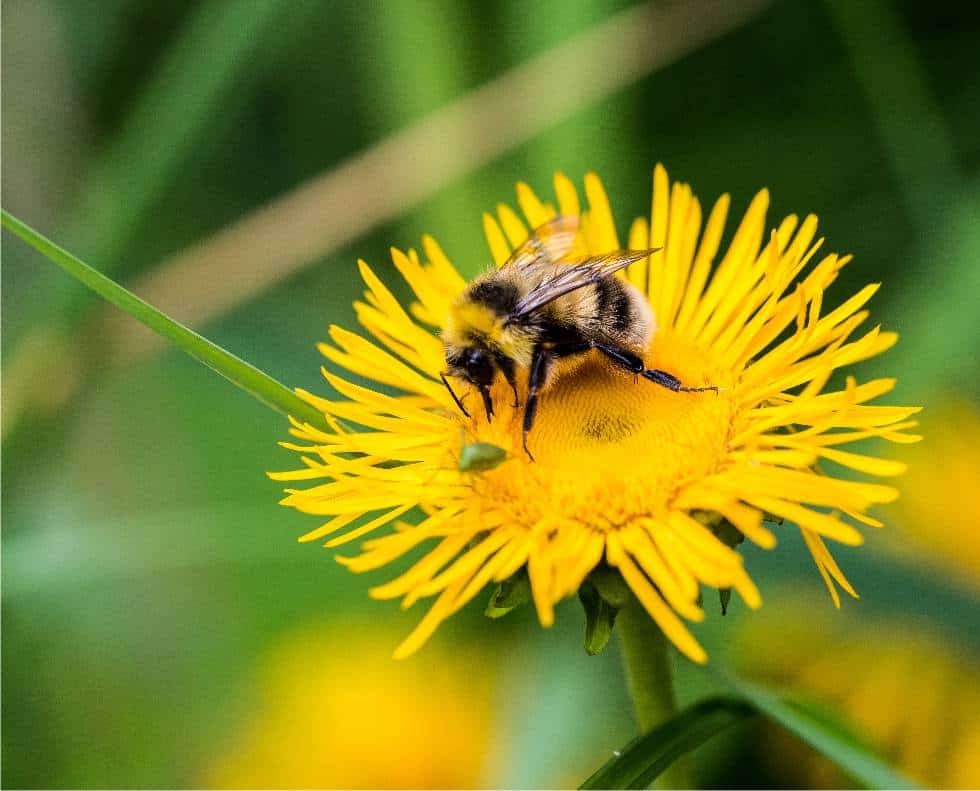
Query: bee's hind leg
point(671, 382)
point(634, 364)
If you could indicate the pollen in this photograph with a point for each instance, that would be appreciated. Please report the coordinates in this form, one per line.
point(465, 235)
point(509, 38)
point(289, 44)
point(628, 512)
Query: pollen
point(626, 474)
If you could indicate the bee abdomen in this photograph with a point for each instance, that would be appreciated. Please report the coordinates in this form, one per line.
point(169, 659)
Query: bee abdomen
point(613, 304)
point(623, 313)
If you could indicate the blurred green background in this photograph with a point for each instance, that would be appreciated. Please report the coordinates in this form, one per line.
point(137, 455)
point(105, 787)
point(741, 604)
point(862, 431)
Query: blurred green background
point(149, 578)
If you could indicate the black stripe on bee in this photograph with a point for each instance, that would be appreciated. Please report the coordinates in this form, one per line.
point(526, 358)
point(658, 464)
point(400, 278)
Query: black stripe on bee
point(555, 333)
point(613, 304)
point(500, 297)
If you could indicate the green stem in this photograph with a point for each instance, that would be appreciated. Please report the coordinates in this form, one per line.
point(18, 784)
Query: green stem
point(649, 678)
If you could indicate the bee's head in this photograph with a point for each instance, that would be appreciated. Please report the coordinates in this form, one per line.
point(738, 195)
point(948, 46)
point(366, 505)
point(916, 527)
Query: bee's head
point(477, 366)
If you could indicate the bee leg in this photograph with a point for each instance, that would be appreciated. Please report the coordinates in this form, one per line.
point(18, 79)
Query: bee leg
point(622, 357)
point(487, 402)
point(671, 382)
point(634, 364)
point(540, 364)
point(539, 372)
point(506, 365)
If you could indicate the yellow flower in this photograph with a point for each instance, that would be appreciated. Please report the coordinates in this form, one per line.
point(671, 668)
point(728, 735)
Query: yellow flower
point(332, 712)
point(626, 472)
point(943, 470)
point(904, 688)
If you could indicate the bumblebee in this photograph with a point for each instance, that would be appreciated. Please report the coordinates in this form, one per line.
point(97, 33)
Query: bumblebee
point(540, 313)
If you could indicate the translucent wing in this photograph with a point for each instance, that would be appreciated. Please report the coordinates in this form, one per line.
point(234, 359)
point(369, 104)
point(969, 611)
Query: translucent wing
point(547, 244)
point(574, 276)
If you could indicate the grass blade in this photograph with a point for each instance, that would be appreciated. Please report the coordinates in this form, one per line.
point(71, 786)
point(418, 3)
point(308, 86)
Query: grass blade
point(827, 737)
point(246, 376)
point(640, 762)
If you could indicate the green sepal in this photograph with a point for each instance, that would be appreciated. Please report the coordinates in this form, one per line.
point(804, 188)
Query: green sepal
point(600, 616)
point(480, 457)
point(724, 530)
point(709, 519)
point(610, 585)
point(511, 593)
point(727, 533)
point(730, 536)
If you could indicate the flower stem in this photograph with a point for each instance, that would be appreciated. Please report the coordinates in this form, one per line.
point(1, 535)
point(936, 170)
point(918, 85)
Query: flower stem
point(649, 678)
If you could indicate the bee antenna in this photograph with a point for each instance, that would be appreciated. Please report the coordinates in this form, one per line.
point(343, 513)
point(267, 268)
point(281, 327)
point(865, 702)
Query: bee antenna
point(453, 394)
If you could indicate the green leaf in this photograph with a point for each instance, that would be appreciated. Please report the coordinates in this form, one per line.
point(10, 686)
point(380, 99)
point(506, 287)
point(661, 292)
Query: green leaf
point(249, 378)
point(825, 735)
point(639, 763)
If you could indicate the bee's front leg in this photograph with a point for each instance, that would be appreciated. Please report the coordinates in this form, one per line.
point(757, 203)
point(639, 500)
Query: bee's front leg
point(540, 363)
point(506, 366)
point(487, 402)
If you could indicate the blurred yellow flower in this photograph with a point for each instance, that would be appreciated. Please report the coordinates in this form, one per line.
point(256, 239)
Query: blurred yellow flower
point(943, 470)
point(907, 691)
point(627, 473)
point(334, 712)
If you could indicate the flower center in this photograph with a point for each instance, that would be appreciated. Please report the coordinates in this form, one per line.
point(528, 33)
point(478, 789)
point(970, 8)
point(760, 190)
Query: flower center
point(608, 447)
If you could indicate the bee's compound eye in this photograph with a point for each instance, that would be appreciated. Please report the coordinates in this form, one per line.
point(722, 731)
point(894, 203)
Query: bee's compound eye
point(479, 368)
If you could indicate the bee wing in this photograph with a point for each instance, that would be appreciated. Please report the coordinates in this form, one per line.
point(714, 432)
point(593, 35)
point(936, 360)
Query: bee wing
point(574, 276)
point(547, 244)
